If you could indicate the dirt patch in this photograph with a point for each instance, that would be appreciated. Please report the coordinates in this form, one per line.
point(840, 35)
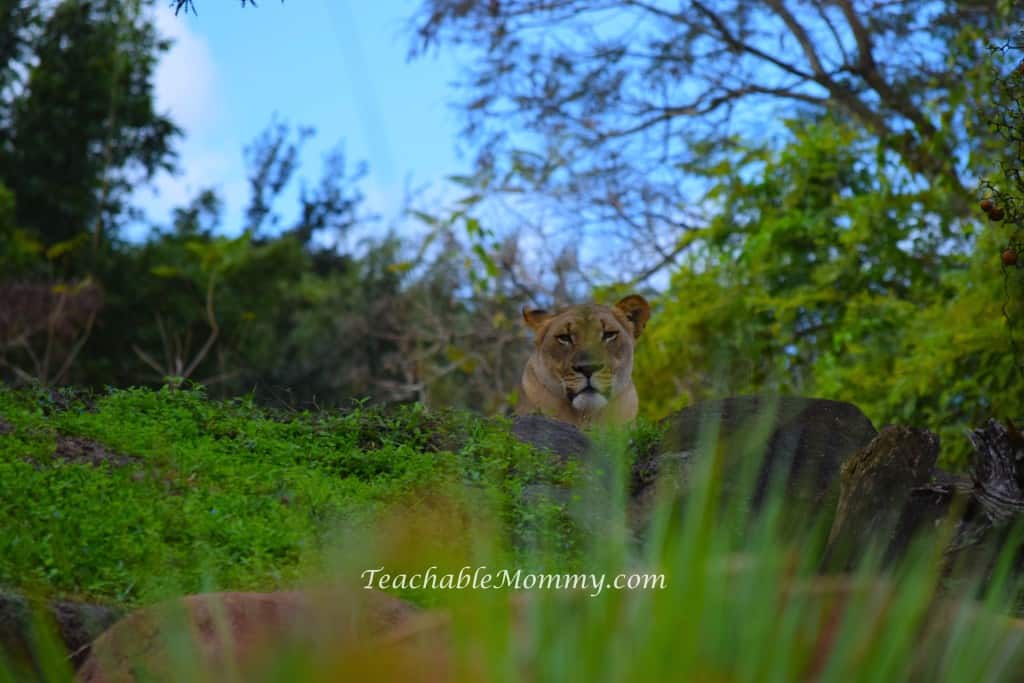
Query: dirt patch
point(79, 449)
point(5, 427)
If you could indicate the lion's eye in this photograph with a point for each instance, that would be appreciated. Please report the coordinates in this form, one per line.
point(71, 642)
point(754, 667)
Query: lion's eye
point(564, 339)
point(609, 335)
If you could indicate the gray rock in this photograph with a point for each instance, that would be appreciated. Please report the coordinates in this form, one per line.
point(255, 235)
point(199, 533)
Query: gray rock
point(799, 442)
point(76, 624)
point(560, 438)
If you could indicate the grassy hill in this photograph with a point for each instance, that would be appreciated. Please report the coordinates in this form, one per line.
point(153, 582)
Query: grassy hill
point(137, 494)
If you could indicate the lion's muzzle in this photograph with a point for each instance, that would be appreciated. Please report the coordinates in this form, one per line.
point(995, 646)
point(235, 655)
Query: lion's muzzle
point(589, 400)
point(583, 391)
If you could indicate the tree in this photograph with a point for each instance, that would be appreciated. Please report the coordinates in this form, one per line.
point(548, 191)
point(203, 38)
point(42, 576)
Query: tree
point(214, 309)
point(18, 21)
point(82, 128)
point(602, 106)
point(823, 279)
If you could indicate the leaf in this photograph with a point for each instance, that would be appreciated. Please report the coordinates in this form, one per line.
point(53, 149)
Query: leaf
point(425, 217)
point(165, 271)
point(464, 180)
point(57, 250)
point(485, 258)
point(27, 244)
point(197, 247)
point(400, 267)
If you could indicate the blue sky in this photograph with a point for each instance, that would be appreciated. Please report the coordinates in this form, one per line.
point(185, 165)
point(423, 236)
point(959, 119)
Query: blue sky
point(337, 65)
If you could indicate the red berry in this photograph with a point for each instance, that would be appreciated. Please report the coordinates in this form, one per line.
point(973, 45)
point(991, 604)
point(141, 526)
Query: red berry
point(996, 214)
point(1009, 257)
point(987, 205)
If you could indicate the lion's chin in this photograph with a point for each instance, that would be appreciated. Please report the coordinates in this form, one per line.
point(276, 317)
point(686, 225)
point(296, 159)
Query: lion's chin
point(589, 401)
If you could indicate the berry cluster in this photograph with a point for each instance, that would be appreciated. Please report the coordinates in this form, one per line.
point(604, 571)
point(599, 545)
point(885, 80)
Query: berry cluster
point(994, 211)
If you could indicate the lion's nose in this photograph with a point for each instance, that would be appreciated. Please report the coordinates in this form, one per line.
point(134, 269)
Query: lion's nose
point(587, 369)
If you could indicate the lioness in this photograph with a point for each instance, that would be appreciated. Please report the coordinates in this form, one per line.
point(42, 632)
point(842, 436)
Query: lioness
point(581, 369)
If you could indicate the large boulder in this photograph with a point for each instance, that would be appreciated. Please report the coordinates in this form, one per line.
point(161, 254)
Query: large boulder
point(798, 443)
point(561, 438)
point(588, 501)
point(221, 636)
point(74, 623)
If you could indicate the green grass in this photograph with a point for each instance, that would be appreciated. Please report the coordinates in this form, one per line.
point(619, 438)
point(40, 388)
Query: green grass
point(227, 494)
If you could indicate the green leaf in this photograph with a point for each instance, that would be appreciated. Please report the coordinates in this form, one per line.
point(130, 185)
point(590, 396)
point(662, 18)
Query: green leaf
point(165, 271)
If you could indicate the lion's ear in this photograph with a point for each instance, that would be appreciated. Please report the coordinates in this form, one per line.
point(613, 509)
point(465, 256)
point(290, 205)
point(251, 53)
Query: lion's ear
point(637, 311)
point(536, 318)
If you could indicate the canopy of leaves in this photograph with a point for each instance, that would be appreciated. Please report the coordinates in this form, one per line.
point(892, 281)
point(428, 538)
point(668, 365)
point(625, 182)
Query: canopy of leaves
point(816, 277)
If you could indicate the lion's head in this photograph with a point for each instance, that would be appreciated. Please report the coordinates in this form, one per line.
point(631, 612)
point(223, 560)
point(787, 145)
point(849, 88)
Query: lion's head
point(581, 369)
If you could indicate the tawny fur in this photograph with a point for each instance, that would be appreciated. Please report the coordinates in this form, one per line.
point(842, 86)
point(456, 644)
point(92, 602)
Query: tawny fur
point(581, 369)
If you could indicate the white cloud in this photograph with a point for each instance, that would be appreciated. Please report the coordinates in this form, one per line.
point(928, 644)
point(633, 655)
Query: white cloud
point(186, 77)
point(186, 89)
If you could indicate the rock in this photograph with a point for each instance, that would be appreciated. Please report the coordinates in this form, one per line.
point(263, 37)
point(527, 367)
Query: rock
point(219, 635)
point(668, 474)
point(601, 463)
point(76, 624)
point(928, 508)
point(876, 487)
point(560, 438)
point(802, 441)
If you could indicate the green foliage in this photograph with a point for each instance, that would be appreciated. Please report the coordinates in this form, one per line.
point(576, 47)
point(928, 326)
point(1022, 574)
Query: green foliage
point(18, 249)
point(187, 492)
point(1003, 192)
point(84, 125)
point(819, 276)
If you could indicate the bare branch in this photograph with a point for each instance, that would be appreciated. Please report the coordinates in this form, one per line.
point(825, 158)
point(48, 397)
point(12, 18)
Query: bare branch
point(73, 353)
point(148, 360)
point(211, 319)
